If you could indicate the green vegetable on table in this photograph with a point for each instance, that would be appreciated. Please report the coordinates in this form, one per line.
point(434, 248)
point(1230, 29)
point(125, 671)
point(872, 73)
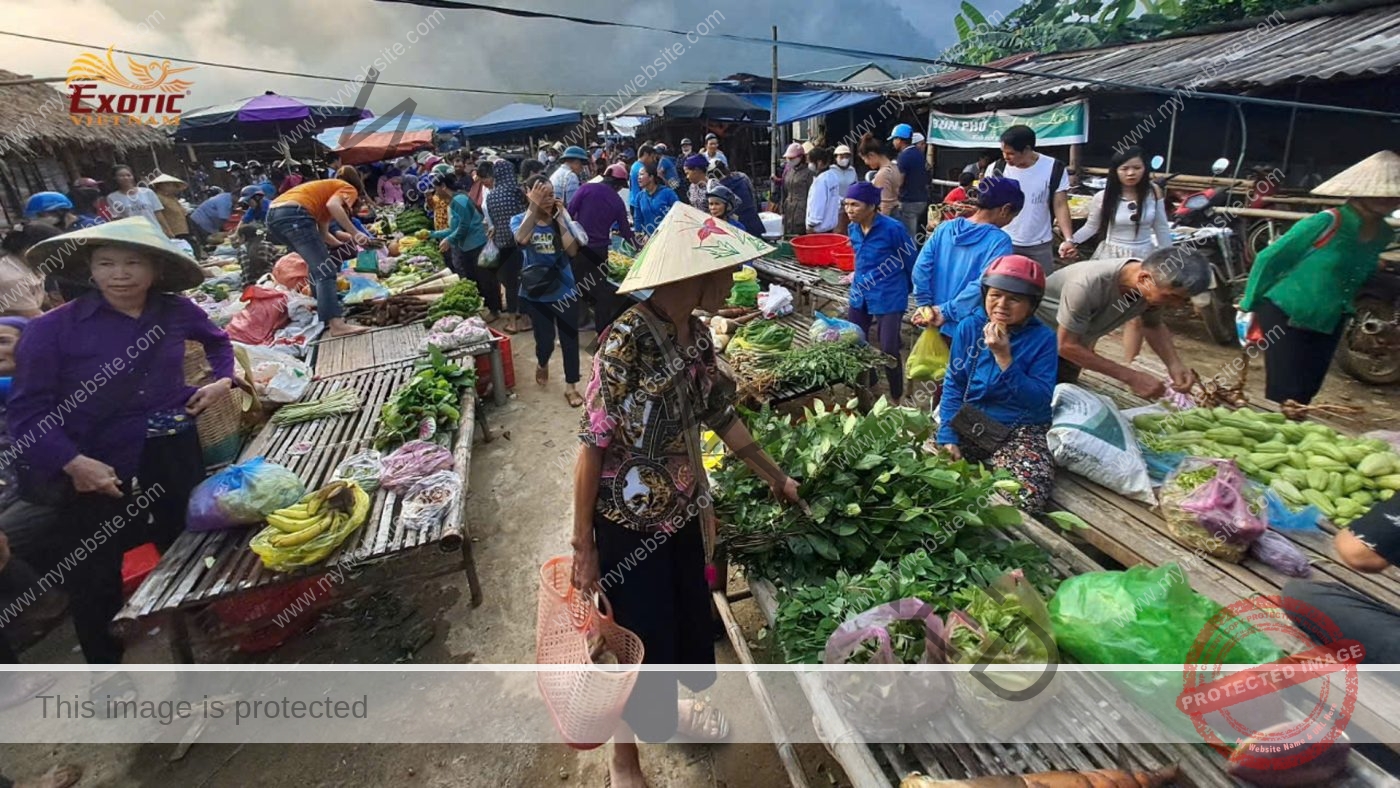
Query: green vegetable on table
point(808, 614)
point(428, 407)
point(873, 494)
point(763, 336)
point(1006, 636)
point(336, 403)
point(1306, 463)
point(462, 299)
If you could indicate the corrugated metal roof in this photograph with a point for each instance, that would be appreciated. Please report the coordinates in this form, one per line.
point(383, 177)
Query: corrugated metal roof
point(1366, 43)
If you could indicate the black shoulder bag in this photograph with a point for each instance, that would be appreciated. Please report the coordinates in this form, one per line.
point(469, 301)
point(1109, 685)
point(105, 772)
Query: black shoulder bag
point(541, 280)
point(972, 424)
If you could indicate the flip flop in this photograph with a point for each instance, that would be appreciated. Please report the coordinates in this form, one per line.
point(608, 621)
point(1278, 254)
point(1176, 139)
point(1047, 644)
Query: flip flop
point(705, 722)
point(542, 376)
point(574, 399)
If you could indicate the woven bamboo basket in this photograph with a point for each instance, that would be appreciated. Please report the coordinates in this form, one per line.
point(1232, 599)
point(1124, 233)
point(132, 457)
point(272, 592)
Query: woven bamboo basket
point(221, 425)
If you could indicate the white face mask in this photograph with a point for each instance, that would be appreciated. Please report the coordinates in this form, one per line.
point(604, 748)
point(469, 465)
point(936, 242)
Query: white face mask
point(843, 161)
point(812, 167)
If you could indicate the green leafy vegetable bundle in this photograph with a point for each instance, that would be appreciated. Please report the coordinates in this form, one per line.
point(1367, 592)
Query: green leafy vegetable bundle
point(1003, 632)
point(763, 336)
point(411, 221)
point(428, 407)
point(874, 493)
point(807, 615)
point(462, 299)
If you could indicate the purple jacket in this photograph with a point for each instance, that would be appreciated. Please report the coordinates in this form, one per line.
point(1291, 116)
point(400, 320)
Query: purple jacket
point(597, 207)
point(75, 392)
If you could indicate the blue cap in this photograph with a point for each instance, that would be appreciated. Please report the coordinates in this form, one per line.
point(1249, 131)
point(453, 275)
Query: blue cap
point(46, 202)
point(903, 132)
point(867, 193)
point(696, 162)
point(248, 192)
point(994, 192)
point(574, 152)
point(722, 192)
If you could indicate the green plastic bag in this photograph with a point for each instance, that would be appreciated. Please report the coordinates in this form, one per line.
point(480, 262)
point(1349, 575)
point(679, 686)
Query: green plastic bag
point(929, 358)
point(1144, 616)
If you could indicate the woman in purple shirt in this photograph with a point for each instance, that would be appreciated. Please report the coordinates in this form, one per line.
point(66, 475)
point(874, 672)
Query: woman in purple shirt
point(100, 414)
point(598, 208)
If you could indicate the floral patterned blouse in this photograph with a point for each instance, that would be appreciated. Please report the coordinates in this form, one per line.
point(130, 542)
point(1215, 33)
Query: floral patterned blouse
point(632, 411)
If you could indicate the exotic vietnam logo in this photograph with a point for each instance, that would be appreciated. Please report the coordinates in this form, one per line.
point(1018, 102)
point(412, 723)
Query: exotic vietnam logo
point(150, 96)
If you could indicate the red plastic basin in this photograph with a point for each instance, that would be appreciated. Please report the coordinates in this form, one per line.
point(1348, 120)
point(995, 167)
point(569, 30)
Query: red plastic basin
point(845, 259)
point(818, 248)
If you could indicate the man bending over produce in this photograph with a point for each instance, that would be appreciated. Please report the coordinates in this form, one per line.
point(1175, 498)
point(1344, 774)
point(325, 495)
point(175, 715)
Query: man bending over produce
point(1371, 545)
point(1088, 300)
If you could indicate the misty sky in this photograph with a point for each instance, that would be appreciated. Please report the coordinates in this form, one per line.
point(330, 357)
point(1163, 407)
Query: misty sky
point(467, 48)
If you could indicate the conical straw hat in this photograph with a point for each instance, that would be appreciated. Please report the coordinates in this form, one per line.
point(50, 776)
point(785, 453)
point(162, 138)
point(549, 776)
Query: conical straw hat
point(66, 256)
point(1376, 176)
point(690, 243)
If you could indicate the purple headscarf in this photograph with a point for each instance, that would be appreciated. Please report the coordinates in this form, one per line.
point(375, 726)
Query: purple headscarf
point(15, 322)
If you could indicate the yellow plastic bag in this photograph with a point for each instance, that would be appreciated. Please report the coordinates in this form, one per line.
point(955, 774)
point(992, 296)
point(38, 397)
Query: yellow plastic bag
point(929, 359)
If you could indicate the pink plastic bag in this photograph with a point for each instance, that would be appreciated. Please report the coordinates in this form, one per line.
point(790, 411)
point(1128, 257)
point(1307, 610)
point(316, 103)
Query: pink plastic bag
point(882, 704)
point(259, 322)
point(1218, 516)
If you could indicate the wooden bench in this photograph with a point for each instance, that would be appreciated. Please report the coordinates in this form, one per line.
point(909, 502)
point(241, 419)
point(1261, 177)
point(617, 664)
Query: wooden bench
point(392, 345)
point(1131, 533)
point(882, 765)
point(203, 568)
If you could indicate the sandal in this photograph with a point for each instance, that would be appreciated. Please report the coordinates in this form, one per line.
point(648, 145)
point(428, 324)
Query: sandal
point(703, 722)
point(64, 776)
point(574, 399)
point(542, 375)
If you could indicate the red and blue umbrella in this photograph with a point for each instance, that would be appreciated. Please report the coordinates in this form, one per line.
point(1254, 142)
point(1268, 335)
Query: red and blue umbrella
point(264, 117)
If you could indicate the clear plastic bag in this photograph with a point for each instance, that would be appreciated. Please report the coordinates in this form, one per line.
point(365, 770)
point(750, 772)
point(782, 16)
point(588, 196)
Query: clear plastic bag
point(427, 501)
point(411, 462)
point(241, 495)
point(1283, 518)
point(830, 329)
point(279, 376)
point(885, 703)
point(1216, 516)
point(363, 469)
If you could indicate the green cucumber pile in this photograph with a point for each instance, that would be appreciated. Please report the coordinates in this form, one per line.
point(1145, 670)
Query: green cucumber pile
point(1306, 463)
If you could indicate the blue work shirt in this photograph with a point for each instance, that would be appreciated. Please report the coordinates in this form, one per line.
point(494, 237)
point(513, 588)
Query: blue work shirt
point(541, 252)
point(1016, 396)
point(213, 212)
point(948, 271)
point(255, 213)
point(884, 261)
point(650, 209)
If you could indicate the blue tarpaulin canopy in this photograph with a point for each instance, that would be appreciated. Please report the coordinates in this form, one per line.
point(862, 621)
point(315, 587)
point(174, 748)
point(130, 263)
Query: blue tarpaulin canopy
point(521, 117)
point(802, 104)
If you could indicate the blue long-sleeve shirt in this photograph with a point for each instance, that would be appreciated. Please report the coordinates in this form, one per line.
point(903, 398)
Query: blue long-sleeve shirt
point(466, 228)
point(1015, 396)
point(884, 260)
point(666, 169)
point(650, 209)
point(948, 271)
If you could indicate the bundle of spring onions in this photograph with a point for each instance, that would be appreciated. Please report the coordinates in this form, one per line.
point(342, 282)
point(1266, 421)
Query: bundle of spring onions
point(336, 403)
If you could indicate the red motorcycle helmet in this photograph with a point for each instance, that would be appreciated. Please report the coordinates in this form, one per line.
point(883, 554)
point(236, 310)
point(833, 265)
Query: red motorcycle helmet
point(1016, 273)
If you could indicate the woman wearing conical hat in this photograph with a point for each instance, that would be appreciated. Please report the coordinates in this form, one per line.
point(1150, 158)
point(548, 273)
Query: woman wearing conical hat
point(1302, 286)
point(639, 483)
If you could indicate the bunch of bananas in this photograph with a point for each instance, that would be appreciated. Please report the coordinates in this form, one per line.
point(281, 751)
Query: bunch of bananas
point(308, 531)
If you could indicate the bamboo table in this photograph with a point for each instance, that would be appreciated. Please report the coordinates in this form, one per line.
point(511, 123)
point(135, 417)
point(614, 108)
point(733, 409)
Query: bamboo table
point(394, 344)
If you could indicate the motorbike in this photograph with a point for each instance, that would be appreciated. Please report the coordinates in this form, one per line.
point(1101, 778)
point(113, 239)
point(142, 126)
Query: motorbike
point(1370, 347)
point(1218, 236)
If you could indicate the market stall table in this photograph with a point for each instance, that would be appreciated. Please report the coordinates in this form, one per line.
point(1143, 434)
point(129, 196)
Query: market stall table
point(394, 344)
point(203, 568)
point(882, 765)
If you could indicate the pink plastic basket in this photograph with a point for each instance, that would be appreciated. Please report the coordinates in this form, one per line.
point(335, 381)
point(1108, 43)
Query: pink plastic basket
point(570, 629)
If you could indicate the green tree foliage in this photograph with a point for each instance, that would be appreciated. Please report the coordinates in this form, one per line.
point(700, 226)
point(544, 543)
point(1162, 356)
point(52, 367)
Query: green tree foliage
point(1062, 25)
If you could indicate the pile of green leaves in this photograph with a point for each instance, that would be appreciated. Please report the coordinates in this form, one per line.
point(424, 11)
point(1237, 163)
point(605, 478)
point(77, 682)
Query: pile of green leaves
point(763, 336)
point(462, 299)
point(874, 494)
point(428, 407)
point(807, 615)
point(411, 221)
point(823, 364)
point(1005, 636)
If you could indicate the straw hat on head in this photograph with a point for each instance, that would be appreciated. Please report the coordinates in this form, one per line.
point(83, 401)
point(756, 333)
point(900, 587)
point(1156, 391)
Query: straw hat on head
point(690, 243)
point(66, 256)
point(1378, 175)
point(167, 178)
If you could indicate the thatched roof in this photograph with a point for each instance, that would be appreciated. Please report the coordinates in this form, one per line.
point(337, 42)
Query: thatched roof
point(34, 121)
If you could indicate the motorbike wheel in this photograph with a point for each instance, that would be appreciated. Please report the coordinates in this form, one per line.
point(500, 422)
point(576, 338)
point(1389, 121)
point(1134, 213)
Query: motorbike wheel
point(1219, 317)
point(1259, 237)
point(1371, 358)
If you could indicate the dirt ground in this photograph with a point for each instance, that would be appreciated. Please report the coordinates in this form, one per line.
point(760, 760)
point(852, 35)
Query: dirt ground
point(520, 506)
point(520, 509)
